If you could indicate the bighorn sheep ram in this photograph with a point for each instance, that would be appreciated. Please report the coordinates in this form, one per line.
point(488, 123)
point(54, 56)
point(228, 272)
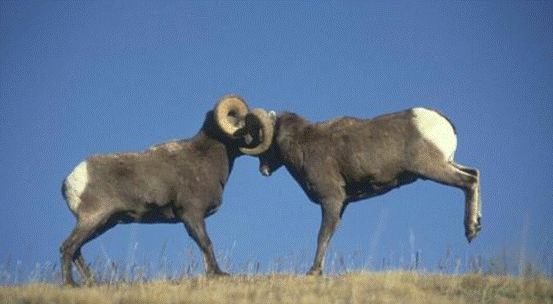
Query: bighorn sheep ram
point(179, 181)
point(348, 159)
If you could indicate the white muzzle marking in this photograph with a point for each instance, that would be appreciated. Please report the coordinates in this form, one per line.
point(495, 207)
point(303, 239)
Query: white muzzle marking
point(436, 129)
point(75, 185)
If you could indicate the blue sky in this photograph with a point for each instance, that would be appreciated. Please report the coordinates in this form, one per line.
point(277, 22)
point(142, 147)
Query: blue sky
point(81, 78)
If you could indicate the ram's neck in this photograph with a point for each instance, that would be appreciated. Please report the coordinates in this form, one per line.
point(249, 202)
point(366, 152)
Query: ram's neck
point(291, 139)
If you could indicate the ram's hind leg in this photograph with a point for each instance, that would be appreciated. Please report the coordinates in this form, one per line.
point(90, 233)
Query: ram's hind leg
point(467, 179)
point(84, 231)
point(70, 251)
point(83, 268)
point(473, 206)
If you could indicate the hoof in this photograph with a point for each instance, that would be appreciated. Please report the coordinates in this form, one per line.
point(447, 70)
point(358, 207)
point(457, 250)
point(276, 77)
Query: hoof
point(315, 272)
point(70, 284)
point(472, 230)
point(217, 273)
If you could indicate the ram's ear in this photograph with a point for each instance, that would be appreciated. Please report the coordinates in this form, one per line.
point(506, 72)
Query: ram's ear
point(230, 112)
point(258, 131)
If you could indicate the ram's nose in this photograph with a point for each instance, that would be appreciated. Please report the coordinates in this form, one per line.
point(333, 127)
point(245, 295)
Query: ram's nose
point(265, 171)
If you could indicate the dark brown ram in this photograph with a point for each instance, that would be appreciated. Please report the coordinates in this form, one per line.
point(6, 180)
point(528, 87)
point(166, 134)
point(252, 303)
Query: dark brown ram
point(348, 159)
point(179, 181)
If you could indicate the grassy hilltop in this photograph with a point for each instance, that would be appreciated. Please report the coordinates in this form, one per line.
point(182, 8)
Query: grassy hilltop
point(383, 287)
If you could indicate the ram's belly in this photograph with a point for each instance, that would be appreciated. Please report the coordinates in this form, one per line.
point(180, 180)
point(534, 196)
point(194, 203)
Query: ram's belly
point(369, 186)
point(375, 166)
point(150, 214)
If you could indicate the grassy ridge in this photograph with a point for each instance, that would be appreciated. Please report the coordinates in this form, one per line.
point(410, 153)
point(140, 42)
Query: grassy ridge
point(385, 287)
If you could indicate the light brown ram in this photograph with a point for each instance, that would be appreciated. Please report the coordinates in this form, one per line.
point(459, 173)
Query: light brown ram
point(179, 181)
point(348, 159)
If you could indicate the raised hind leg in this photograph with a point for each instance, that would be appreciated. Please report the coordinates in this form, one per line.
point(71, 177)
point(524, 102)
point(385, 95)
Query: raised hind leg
point(467, 179)
point(473, 206)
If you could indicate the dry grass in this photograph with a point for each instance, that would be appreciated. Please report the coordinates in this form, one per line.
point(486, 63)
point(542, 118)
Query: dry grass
point(386, 287)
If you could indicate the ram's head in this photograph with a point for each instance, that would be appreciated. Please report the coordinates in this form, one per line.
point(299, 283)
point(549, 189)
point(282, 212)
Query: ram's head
point(254, 127)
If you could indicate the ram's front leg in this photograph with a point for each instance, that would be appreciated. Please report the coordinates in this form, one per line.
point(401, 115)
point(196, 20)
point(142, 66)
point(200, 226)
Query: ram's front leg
point(195, 226)
point(331, 214)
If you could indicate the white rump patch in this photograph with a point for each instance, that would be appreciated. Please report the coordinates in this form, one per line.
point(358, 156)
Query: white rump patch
point(75, 185)
point(436, 129)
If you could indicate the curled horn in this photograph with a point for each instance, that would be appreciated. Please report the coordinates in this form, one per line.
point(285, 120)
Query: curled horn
point(260, 125)
point(230, 112)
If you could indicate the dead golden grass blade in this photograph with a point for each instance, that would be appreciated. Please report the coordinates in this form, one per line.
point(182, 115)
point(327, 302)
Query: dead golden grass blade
point(385, 287)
